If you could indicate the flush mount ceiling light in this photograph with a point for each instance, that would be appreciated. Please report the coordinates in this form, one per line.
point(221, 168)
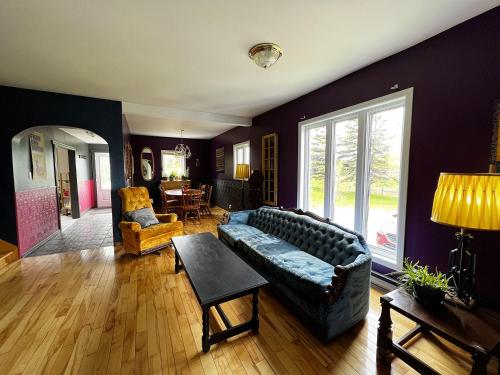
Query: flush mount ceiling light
point(265, 54)
point(182, 150)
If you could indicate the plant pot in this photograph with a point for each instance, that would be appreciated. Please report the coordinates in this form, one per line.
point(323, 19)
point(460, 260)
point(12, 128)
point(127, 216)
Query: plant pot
point(428, 296)
point(171, 178)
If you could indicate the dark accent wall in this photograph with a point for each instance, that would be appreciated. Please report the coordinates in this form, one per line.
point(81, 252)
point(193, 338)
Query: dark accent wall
point(228, 195)
point(199, 150)
point(22, 109)
point(456, 79)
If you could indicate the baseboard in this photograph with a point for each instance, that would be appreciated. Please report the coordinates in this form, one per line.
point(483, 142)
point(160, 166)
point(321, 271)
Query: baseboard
point(383, 282)
point(46, 239)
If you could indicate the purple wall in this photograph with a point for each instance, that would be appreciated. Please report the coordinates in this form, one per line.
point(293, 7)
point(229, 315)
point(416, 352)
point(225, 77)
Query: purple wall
point(456, 79)
point(199, 149)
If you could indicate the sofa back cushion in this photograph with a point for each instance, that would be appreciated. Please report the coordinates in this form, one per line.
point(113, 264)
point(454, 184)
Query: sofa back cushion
point(327, 242)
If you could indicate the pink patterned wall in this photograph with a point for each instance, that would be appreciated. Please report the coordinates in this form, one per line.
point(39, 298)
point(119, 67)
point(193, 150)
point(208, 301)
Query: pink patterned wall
point(37, 216)
point(86, 195)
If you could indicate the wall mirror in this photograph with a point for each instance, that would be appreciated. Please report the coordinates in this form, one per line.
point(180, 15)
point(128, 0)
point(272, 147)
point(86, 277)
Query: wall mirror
point(147, 164)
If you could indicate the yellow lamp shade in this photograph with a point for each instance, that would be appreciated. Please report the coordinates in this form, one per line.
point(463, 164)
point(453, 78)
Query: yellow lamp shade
point(242, 171)
point(470, 201)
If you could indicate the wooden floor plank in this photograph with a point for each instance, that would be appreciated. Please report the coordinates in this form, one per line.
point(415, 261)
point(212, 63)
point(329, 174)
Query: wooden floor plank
point(88, 312)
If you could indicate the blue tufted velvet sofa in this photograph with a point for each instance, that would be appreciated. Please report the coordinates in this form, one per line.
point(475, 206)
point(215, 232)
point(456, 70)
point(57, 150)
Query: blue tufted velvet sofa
point(321, 269)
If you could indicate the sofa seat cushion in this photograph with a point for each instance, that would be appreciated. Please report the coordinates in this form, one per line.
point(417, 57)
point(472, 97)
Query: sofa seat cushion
point(234, 232)
point(261, 248)
point(302, 272)
point(159, 229)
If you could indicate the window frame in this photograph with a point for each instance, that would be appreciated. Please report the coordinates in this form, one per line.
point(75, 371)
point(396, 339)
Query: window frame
point(362, 111)
point(236, 147)
point(170, 152)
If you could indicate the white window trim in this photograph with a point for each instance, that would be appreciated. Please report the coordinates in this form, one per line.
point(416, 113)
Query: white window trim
point(169, 152)
point(235, 149)
point(397, 97)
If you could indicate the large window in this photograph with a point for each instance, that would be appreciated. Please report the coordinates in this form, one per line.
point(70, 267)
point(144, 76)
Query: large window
point(172, 163)
point(353, 170)
point(241, 155)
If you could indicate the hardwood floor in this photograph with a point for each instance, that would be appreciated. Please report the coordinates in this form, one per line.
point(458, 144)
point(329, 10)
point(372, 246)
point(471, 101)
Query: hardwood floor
point(87, 312)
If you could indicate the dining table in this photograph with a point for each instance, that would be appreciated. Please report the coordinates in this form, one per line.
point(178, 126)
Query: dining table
point(174, 193)
point(177, 194)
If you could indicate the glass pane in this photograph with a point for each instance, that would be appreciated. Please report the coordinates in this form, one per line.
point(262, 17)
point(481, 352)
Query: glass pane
point(247, 155)
point(239, 158)
point(384, 169)
point(315, 171)
point(172, 164)
point(104, 172)
point(346, 155)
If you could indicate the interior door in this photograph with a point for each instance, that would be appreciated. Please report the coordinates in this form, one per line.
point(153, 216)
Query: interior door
point(103, 179)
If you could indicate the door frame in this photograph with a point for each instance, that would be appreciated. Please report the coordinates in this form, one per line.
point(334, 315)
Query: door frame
point(94, 154)
point(73, 180)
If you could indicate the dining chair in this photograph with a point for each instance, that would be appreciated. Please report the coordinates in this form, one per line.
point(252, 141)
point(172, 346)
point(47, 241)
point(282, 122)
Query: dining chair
point(167, 203)
point(191, 203)
point(205, 203)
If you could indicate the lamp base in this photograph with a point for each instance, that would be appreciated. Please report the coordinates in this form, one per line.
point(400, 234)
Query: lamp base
point(471, 305)
point(462, 268)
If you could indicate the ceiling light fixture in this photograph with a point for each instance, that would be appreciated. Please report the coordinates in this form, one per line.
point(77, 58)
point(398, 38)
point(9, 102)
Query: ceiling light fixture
point(265, 54)
point(182, 150)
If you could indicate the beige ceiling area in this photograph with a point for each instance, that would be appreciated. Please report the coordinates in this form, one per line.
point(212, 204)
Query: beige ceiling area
point(191, 57)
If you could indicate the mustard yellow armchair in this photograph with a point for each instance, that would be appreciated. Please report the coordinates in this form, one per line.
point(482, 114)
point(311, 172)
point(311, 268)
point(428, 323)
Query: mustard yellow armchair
point(140, 241)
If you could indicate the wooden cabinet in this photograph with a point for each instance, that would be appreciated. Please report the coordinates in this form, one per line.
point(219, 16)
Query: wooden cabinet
point(270, 169)
point(170, 185)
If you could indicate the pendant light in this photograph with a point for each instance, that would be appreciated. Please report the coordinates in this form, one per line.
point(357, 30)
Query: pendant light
point(182, 150)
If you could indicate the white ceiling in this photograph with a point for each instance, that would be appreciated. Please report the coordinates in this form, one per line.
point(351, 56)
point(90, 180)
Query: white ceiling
point(192, 55)
point(85, 136)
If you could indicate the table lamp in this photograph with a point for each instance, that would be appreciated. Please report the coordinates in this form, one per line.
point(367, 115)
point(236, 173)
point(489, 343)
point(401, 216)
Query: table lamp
point(242, 173)
point(466, 201)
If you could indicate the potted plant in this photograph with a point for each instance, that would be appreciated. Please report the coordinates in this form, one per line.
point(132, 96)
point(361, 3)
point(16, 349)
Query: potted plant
point(172, 176)
point(428, 288)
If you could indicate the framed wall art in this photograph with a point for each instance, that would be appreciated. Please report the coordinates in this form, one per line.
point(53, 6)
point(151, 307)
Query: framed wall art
point(219, 160)
point(37, 150)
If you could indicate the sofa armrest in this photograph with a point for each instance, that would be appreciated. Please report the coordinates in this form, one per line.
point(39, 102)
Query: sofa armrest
point(130, 225)
point(166, 218)
point(237, 217)
point(357, 270)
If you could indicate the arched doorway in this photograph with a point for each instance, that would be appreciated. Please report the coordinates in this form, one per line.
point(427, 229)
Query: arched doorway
point(59, 172)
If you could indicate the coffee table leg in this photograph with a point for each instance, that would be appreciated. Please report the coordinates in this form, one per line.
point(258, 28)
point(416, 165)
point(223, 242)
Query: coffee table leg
point(479, 364)
point(176, 261)
point(205, 339)
point(384, 335)
point(255, 311)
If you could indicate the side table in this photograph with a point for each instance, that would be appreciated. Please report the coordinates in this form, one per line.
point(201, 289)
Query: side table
point(477, 332)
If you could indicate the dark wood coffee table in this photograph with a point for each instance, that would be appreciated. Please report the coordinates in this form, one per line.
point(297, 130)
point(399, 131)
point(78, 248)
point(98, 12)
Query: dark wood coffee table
point(476, 331)
point(217, 275)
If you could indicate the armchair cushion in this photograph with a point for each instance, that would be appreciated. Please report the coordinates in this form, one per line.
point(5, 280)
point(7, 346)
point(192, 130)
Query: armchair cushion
point(166, 218)
point(144, 216)
point(130, 226)
point(159, 229)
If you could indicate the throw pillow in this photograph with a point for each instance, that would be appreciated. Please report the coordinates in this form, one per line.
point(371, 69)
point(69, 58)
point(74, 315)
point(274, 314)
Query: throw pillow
point(145, 217)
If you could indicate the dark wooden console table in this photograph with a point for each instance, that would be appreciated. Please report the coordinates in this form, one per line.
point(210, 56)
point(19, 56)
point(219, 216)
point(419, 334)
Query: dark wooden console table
point(477, 331)
point(217, 275)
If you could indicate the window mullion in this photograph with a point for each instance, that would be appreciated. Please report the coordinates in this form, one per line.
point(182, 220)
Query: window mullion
point(306, 168)
point(329, 169)
point(361, 173)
